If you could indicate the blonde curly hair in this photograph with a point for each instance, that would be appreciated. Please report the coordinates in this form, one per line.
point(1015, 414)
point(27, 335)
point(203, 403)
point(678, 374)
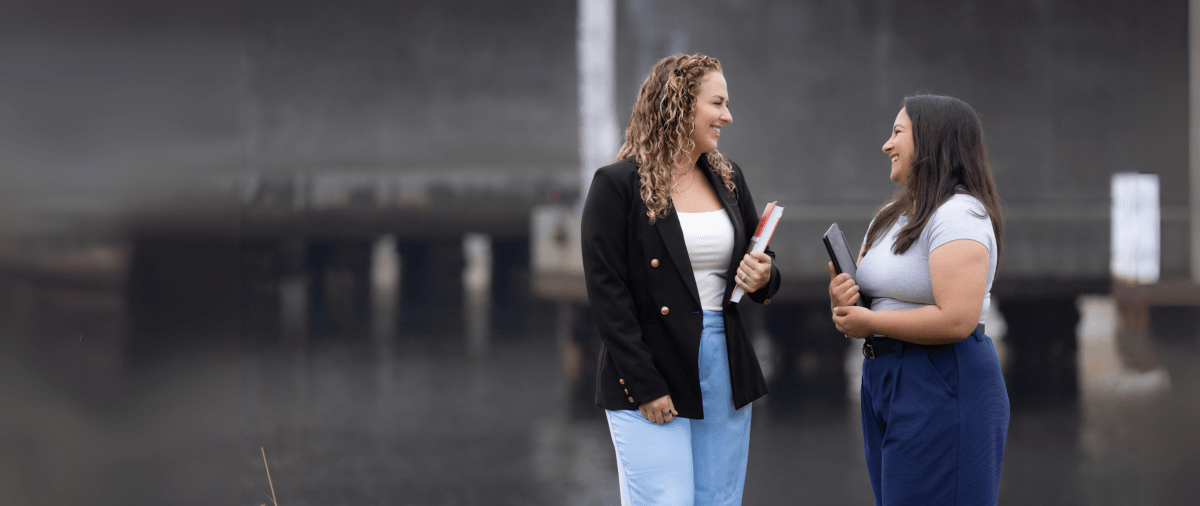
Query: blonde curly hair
point(660, 128)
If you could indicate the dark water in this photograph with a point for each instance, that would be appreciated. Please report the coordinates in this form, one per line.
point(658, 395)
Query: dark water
point(423, 420)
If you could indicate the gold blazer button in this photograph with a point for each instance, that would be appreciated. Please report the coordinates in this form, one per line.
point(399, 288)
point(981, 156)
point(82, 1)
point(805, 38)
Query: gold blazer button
point(665, 310)
point(622, 381)
point(654, 263)
point(765, 302)
point(631, 399)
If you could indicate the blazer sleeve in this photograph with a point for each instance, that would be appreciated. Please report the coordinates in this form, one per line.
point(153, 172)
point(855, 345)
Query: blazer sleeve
point(751, 215)
point(605, 238)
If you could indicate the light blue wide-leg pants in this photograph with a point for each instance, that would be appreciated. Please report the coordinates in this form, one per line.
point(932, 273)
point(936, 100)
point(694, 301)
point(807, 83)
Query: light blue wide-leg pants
point(687, 462)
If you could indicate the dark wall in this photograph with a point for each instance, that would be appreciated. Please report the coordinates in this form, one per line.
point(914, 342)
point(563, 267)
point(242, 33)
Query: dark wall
point(1069, 92)
point(385, 84)
point(110, 107)
point(115, 108)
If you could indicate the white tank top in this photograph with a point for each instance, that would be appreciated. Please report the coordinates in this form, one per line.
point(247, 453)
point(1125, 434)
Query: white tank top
point(709, 240)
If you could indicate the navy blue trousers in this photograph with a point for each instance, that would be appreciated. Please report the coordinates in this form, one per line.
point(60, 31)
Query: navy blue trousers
point(934, 424)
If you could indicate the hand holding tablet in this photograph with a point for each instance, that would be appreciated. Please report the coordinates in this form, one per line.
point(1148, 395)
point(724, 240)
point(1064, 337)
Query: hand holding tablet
point(840, 255)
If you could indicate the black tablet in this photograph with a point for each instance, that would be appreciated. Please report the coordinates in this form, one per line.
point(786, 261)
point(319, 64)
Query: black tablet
point(843, 259)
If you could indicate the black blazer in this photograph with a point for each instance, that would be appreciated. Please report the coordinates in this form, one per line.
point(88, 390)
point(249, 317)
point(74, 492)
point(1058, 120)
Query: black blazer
point(645, 301)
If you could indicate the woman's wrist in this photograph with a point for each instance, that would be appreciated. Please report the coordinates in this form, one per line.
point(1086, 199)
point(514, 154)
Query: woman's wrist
point(872, 320)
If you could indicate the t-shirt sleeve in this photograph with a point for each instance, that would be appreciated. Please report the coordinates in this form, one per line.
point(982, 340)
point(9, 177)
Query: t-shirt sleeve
point(961, 218)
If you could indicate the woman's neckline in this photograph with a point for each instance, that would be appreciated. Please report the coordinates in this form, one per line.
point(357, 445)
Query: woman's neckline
point(704, 212)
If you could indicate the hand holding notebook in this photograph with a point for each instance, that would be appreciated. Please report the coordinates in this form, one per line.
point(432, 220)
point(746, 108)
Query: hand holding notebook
point(762, 235)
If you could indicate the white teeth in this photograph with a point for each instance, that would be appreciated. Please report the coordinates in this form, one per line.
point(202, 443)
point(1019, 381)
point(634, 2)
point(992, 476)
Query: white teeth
point(895, 157)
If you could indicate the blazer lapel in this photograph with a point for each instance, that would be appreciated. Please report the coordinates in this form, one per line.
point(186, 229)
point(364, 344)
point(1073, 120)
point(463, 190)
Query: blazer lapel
point(672, 235)
point(735, 216)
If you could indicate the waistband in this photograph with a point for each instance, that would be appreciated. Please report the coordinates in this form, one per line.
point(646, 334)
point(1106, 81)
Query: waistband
point(875, 346)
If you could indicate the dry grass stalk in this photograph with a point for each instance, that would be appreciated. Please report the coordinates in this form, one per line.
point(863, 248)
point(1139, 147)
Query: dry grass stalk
point(273, 501)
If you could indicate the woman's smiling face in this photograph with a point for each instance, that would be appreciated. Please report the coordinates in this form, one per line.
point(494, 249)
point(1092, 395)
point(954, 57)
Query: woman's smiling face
point(899, 147)
point(712, 112)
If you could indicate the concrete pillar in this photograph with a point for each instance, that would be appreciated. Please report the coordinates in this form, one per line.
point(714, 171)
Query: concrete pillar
point(293, 292)
point(581, 351)
point(477, 292)
point(259, 309)
point(431, 288)
point(599, 135)
point(339, 289)
point(514, 311)
point(1043, 370)
point(809, 356)
point(1194, 130)
point(385, 291)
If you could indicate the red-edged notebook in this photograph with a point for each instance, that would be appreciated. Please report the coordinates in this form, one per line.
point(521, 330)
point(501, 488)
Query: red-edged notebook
point(762, 236)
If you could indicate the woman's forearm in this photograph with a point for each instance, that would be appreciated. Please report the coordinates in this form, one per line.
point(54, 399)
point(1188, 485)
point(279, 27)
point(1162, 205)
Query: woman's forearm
point(924, 325)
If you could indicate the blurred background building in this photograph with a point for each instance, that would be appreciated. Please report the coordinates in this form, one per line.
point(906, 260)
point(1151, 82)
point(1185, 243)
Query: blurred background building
point(344, 236)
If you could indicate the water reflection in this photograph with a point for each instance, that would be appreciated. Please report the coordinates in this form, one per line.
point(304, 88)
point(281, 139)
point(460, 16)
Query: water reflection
point(414, 420)
point(382, 412)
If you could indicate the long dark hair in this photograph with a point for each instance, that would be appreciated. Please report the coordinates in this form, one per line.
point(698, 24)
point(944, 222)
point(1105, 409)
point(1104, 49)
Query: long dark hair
point(949, 156)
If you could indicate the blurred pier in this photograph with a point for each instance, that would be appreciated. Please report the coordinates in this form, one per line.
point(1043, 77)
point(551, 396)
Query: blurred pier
point(355, 400)
point(346, 234)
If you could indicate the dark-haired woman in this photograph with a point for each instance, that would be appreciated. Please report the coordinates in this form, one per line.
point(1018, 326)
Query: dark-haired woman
point(934, 407)
point(664, 235)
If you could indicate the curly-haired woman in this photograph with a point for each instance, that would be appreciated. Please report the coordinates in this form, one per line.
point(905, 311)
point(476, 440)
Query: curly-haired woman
point(664, 235)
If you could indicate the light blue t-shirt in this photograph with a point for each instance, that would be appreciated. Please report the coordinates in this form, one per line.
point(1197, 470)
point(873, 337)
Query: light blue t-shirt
point(894, 281)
